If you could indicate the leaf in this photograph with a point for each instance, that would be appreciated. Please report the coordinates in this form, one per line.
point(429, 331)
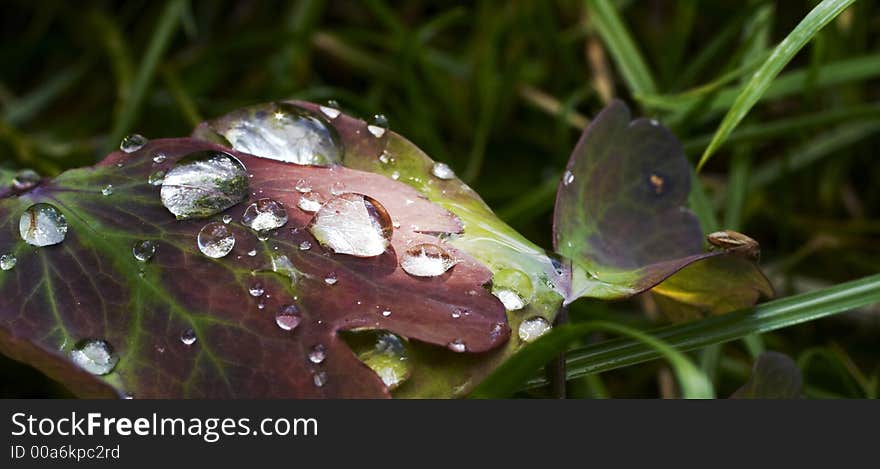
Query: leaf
point(774, 376)
point(752, 91)
point(91, 286)
point(620, 218)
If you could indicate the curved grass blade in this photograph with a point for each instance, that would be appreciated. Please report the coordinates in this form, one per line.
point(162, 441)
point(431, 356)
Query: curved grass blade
point(620, 44)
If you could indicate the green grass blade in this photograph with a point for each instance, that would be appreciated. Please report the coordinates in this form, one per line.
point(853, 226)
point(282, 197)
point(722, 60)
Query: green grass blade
point(820, 16)
point(24, 108)
point(510, 376)
point(770, 316)
point(620, 44)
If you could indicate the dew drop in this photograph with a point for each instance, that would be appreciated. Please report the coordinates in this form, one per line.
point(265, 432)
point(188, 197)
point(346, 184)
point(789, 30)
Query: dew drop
point(310, 202)
point(457, 346)
point(288, 317)
point(386, 313)
point(8, 261)
point(320, 378)
point(107, 190)
point(305, 246)
point(95, 356)
point(256, 290)
point(331, 279)
point(303, 186)
point(132, 143)
point(567, 178)
point(426, 260)
point(353, 224)
point(264, 215)
point(156, 178)
point(25, 179)
point(386, 354)
point(144, 250)
point(42, 225)
point(203, 184)
point(331, 110)
point(318, 354)
point(337, 188)
point(188, 337)
point(378, 126)
point(395, 175)
point(227, 219)
point(215, 240)
point(532, 328)
point(385, 158)
point(442, 171)
point(159, 158)
point(512, 301)
point(252, 253)
point(513, 287)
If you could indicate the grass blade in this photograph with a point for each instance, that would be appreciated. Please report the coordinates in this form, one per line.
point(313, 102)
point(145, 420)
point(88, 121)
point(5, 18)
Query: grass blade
point(620, 44)
point(820, 16)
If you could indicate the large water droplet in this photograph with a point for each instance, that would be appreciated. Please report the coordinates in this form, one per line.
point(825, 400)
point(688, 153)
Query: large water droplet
point(385, 353)
point(264, 215)
point(532, 328)
point(188, 337)
point(144, 250)
point(283, 132)
point(353, 224)
point(310, 202)
point(378, 126)
point(132, 143)
point(426, 260)
point(8, 261)
point(25, 179)
point(95, 356)
point(215, 240)
point(42, 225)
point(203, 184)
point(318, 354)
point(288, 317)
point(442, 171)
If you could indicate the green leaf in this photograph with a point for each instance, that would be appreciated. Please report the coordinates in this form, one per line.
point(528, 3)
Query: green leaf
point(774, 376)
point(751, 92)
point(620, 44)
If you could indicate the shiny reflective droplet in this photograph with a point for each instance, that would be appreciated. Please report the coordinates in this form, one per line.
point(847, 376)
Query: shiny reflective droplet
point(42, 225)
point(288, 317)
point(256, 289)
point(107, 190)
point(378, 126)
point(386, 313)
point(385, 158)
point(203, 184)
point(252, 253)
point(282, 132)
point(303, 186)
point(386, 354)
point(144, 250)
point(331, 279)
point(305, 246)
point(337, 188)
point(532, 328)
point(512, 301)
point(156, 178)
point(7, 262)
point(353, 224)
point(513, 287)
point(320, 378)
point(442, 171)
point(132, 143)
point(264, 215)
point(25, 179)
point(318, 354)
point(188, 337)
point(227, 219)
point(159, 158)
point(395, 175)
point(331, 110)
point(215, 240)
point(95, 356)
point(310, 202)
point(567, 178)
point(457, 346)
point(426, 260)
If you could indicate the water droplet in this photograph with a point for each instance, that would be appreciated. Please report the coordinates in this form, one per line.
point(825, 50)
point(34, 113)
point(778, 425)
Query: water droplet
point(159, 158)
point(305, 246)
point(426, 260)
point(227, 219)
point(42, 225)
point(353, 224)
point(513, 287)
point(288, 317)
point(457, 346)
point(303, 186)
point(395, 175)
point(567, 178)
point(8, 261)
point(532, 328)
point(215, 240)
point(320, 378)
point(95, 356)
point(144, 250)
point(203, 184)
point(128, 396)
point(25, 179)
point(188, 337)
point(157, 178)
point(512, 301)
point(386, 354)
point(107, 190)
point(385, 158)
point(310, 202)
point(378, 126)
point(386, 313)
point(264, 215)
point(257, 289)
point(331, 110)
point(337, 188)
point(132, 143)
point(331, 279)
point(252, 253)
point(318, 354)
point(442, 171)
point(283, 132)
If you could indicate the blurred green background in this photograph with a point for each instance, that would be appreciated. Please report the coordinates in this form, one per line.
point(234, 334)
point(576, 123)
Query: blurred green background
point(499, 91)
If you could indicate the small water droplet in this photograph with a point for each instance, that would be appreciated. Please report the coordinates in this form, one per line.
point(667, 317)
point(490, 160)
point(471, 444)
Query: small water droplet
point(426, 260)
point(353, 224)
point(95, 356)
point(144, 250)
point(512, 301)
point(442, 171)
point(303, 186)
point(42, 225)
point(257, 289)
point(532, 328)
point(386, 313)
point(156, 178)
point(8, 261)
point(107, 190)
point(288, 317)
point(337, 188)
point(310, 202)
point(305, 246)
point(320, 378)
point(132, 143)
point(264, 215)
point(567, 178)
point(395, 175)
point(378, 126)
point(227, 219)
point(188, 337)
point(331, 279)
point(385, 158)
point(331, 110)
point(25, 179)
point(252, 253)
point(457, 346)
point(159, 158)
point(203, 184)
point(215, 240)
point(318, 354)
